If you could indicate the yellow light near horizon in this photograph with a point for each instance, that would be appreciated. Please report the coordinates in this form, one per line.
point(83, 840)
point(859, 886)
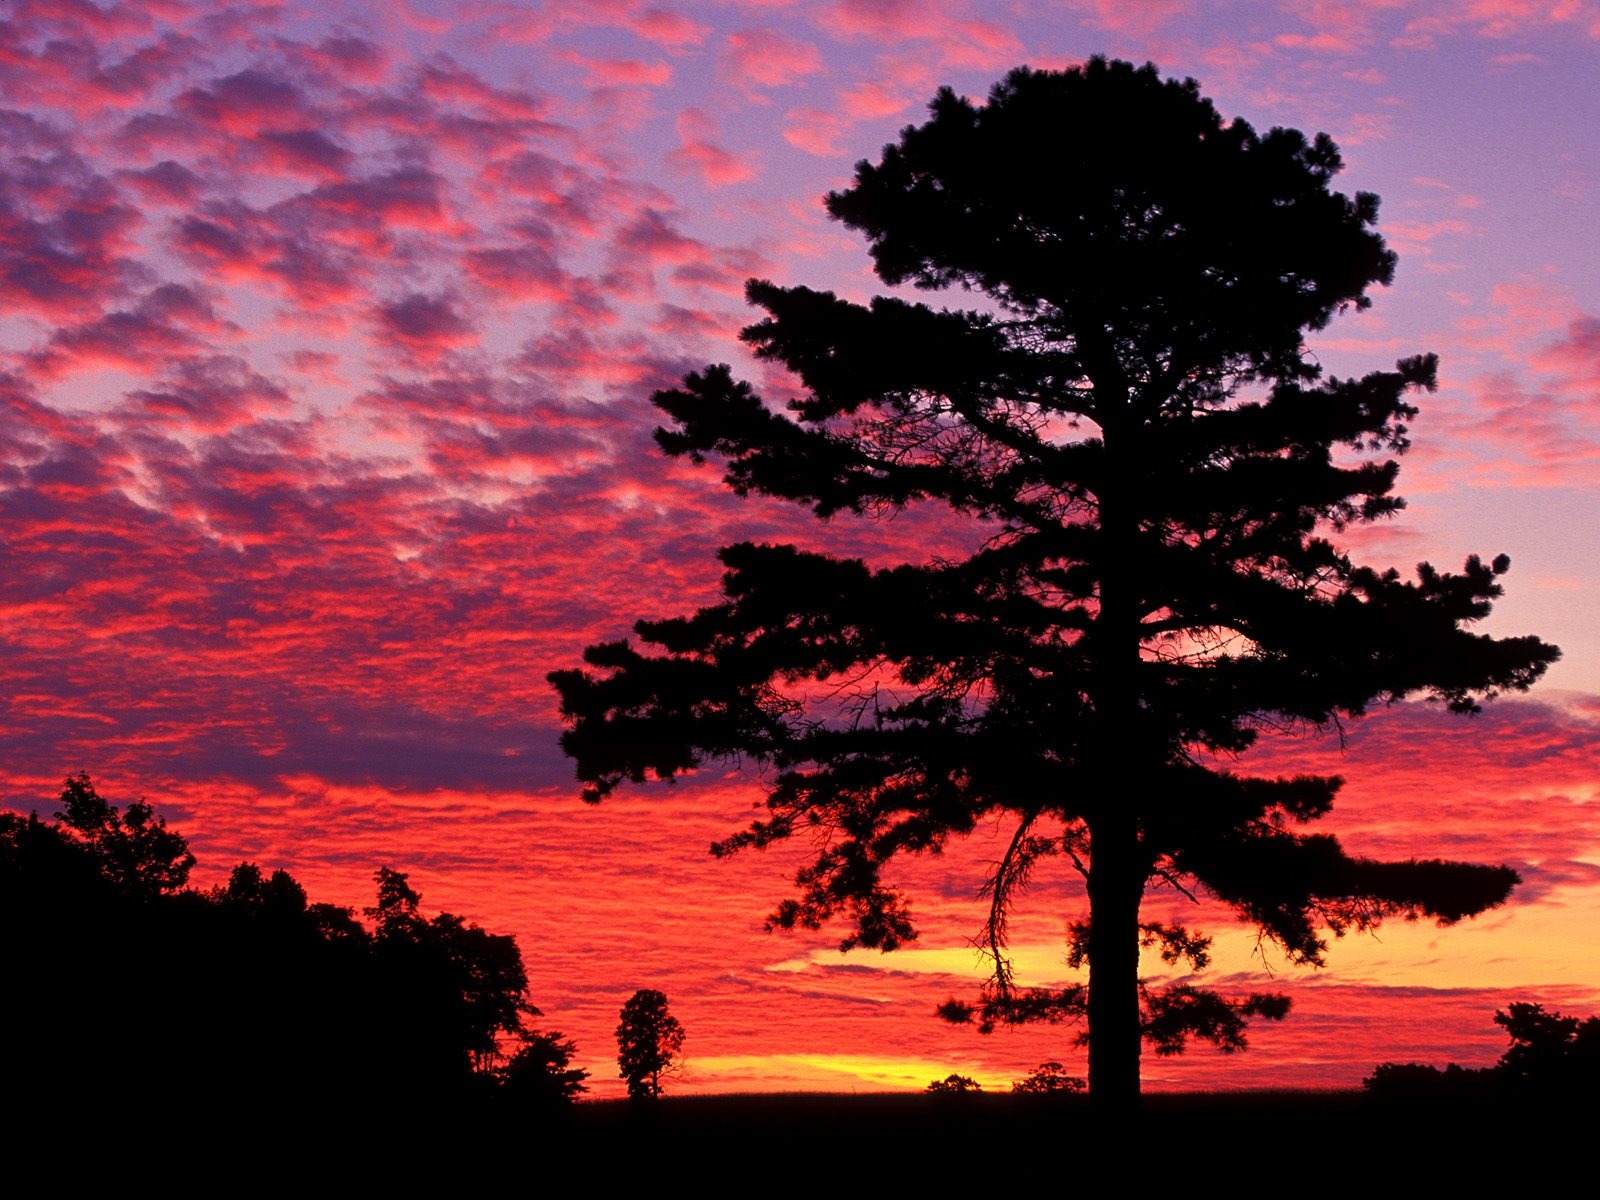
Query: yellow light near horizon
point(836, 1071)
point(1552, 943)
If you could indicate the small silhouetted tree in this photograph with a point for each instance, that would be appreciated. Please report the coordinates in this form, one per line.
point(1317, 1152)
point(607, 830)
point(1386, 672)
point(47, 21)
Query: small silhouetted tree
point(540, 1074)
point(1050, 1079)
point(1152, 474)
point(954, 1085)
point(649, 1043)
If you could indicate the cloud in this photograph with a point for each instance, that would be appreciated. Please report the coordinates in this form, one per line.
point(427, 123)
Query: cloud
point(247, 103)
point(169, 322)
point(622, 72)
point(307, 152)
point(167, 182)
point(699, 153)
point(956, 42)
point(65, 228)
point(210, 395)
point(769, 58)
point(423, 327)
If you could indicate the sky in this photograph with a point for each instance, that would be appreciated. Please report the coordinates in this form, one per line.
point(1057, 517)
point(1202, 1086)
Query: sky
point(327, 335)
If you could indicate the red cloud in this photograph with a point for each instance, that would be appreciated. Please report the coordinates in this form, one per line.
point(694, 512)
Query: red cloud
point(210, 395)
point(65, 230)
point(169, 322)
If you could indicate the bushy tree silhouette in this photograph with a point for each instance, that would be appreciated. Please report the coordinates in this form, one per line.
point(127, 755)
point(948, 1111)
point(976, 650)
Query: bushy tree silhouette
point(954, 1085)
point(1155, 474)
point(1050, 1079)
point(649, 1043)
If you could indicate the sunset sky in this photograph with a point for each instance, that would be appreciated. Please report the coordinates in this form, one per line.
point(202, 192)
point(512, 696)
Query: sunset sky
point(328, 332)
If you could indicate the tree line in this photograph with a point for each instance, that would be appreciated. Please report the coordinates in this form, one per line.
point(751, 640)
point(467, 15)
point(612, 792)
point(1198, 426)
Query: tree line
point(128, 984)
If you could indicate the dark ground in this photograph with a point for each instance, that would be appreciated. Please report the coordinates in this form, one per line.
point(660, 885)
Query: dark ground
point(817, 1144)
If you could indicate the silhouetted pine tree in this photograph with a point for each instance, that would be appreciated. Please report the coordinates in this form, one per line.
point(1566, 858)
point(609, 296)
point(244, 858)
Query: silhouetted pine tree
point(1155, 470)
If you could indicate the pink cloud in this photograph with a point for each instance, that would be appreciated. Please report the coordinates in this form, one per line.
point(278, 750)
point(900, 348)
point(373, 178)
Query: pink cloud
point(651, 237)
point(1415, 237)
point(247, 103)
point(1575, 357)
point(958, 42)
point(757, 58)
point(668, 28)
point(71, 74)
point(869, 100)
point(1499, 19)
point(698, 152)
point(1139, 20)
point(167, 182)
point(664, 27)
point(65, 230)
point(816, 131)
point(305, 152)
point(116, 21)
point(243, 245)
point(364, 212)
point(622, 72)
point(444, 81)
point(344, 58)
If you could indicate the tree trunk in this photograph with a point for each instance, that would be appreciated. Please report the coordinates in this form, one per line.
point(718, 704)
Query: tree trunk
point(1116, 885)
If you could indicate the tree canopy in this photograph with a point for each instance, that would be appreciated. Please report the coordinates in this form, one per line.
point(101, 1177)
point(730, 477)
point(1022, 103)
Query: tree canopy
point(1156, 473)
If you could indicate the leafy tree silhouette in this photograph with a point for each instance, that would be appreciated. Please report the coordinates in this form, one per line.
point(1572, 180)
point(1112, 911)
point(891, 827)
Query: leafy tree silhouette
point(468, 988)
point(135, 849)
point(1153, 471)
point(649, 1043)
point(1549, 1050)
